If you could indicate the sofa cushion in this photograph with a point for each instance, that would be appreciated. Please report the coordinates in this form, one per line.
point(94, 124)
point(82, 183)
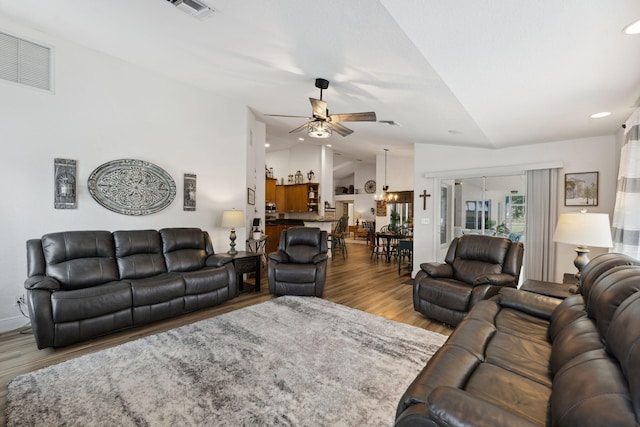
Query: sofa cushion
point(205, 280)
point(449, 293)
point(85, 303)
point(590, 390)
point(518, 394)
point(623, 341)
point(157, 289)
point(139, 253)
point(80, 259)
point(296, 273)
point(467, 270)
point(185, 249)
point(608, 291)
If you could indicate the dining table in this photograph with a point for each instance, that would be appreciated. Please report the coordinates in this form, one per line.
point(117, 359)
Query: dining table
point(389, 236)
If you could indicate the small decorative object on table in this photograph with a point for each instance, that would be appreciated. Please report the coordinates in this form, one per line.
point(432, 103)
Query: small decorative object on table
point(299, 178)
point(311, 175)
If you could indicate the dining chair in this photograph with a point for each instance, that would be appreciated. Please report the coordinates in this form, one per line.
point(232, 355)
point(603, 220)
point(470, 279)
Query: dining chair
point(337, 237)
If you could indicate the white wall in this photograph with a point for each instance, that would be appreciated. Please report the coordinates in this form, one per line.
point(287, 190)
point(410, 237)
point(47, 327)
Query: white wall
point(105, 109)
point(399, 177)
point(583, 155)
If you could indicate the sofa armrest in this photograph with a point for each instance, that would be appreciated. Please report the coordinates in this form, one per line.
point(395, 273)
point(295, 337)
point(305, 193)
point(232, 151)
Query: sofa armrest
point(528, 302)
point(279, 256)
point(42, 282)
point(502, 279)
point(454, 407)
point(436, 269)
point(319, 258)
point(217, 260)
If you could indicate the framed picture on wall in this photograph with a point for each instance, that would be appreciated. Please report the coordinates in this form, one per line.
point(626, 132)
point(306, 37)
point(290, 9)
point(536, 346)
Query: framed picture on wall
point(189, 200)
point(251, 196)
point(581, 189)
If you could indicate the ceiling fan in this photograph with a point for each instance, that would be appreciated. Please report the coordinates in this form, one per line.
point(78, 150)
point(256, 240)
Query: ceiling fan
point(322, 123)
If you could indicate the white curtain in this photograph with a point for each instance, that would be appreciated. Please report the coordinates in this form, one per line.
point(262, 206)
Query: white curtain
point(626, 214)
point(542, 214)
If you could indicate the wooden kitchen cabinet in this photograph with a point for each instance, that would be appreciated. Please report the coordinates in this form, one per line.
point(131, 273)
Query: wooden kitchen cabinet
point(270, 190)
point(280, 198)
point(296, 198)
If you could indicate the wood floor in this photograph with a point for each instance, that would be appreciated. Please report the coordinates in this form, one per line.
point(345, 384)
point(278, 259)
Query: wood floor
point(357, 281)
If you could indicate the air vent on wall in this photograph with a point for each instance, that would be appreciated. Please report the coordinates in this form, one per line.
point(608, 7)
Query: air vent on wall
point(194, 8)
point(25, 62)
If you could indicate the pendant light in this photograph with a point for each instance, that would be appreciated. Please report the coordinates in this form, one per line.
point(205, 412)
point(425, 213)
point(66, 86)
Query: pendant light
point(385, 187)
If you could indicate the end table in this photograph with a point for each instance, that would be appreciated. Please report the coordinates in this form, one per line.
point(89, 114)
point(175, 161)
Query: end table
point(247, 262)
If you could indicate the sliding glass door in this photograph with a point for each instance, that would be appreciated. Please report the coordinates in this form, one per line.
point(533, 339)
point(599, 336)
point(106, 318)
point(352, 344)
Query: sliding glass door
point(488, 205)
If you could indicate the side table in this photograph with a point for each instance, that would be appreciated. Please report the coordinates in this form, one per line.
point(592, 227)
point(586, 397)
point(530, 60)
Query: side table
point(247, 262)
point(551, 289)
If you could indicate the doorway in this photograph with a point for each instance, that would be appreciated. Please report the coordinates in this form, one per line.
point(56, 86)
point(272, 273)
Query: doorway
point(488, 205)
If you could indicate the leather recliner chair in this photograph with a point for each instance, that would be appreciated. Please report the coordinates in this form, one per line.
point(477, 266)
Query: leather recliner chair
point(475, 268)
point(299, 267)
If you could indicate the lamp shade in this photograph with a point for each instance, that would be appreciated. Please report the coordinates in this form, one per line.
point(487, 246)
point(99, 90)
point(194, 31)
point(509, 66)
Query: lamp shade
point(233, 219)
point(584, 229)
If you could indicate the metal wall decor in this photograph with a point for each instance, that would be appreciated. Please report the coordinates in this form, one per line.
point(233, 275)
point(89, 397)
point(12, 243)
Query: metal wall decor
point(64, 184)
point(189, 200)
point(132, 187)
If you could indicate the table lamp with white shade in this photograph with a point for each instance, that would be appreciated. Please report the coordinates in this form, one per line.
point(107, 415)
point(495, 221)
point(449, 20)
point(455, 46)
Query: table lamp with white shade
point(583, 229)
point(232, 219)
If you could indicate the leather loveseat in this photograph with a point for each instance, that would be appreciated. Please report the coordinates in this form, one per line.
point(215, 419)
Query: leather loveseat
point(83, 284)
point(476, 267)
point(523, 359)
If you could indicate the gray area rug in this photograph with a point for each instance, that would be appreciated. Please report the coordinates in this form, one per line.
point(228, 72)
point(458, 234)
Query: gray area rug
point(295, 361)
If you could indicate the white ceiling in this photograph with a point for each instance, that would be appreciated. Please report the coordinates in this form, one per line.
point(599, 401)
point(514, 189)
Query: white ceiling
point(478, 73)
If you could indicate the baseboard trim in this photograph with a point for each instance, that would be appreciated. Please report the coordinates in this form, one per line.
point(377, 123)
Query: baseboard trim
point(13, 323)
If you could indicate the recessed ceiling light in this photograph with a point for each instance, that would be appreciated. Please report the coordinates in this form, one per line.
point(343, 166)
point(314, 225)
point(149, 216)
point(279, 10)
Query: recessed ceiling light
point(329, 145)
point(267, 145)
point(633, 28)
point(600, 115)
point(300, 139)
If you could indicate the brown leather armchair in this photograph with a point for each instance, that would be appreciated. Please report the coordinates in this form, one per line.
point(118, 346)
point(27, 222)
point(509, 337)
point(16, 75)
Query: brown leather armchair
point(475, 268)
point(299, 267)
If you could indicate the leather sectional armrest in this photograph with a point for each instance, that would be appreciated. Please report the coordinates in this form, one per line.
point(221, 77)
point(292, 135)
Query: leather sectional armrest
point(435, 269)
point(528, 302)
point(319, 258)
point(279, 256)
point(501, 279)
point(454, 407)
point(42, 282)
point(217, 260)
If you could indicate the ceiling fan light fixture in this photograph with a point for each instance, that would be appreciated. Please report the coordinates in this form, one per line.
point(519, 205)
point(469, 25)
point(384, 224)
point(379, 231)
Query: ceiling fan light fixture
point(319, 129)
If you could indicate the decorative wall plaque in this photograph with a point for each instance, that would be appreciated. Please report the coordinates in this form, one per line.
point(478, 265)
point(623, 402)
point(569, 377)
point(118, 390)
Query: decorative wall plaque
point(189, 202)
point(64, 196)
point(132, 187)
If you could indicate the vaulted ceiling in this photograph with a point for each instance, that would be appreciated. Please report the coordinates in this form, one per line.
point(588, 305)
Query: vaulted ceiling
point(477, 73)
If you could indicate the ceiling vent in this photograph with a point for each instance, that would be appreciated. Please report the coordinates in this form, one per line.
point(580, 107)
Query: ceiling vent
point(194, 8)
point(24, 62)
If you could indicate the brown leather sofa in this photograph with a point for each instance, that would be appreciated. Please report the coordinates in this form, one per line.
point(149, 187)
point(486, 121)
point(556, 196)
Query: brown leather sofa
point(299, 267)
point(523, 359)
point(476, 267)
point(82, 284)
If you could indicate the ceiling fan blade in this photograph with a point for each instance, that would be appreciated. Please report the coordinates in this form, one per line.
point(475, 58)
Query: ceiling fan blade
point(285, 115)
point(353, 117)
point(342, 130)
point(299, 128)
point(319, 108)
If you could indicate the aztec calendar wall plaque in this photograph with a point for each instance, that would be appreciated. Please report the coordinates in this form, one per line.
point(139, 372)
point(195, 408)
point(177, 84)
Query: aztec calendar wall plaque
point(132, 187)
